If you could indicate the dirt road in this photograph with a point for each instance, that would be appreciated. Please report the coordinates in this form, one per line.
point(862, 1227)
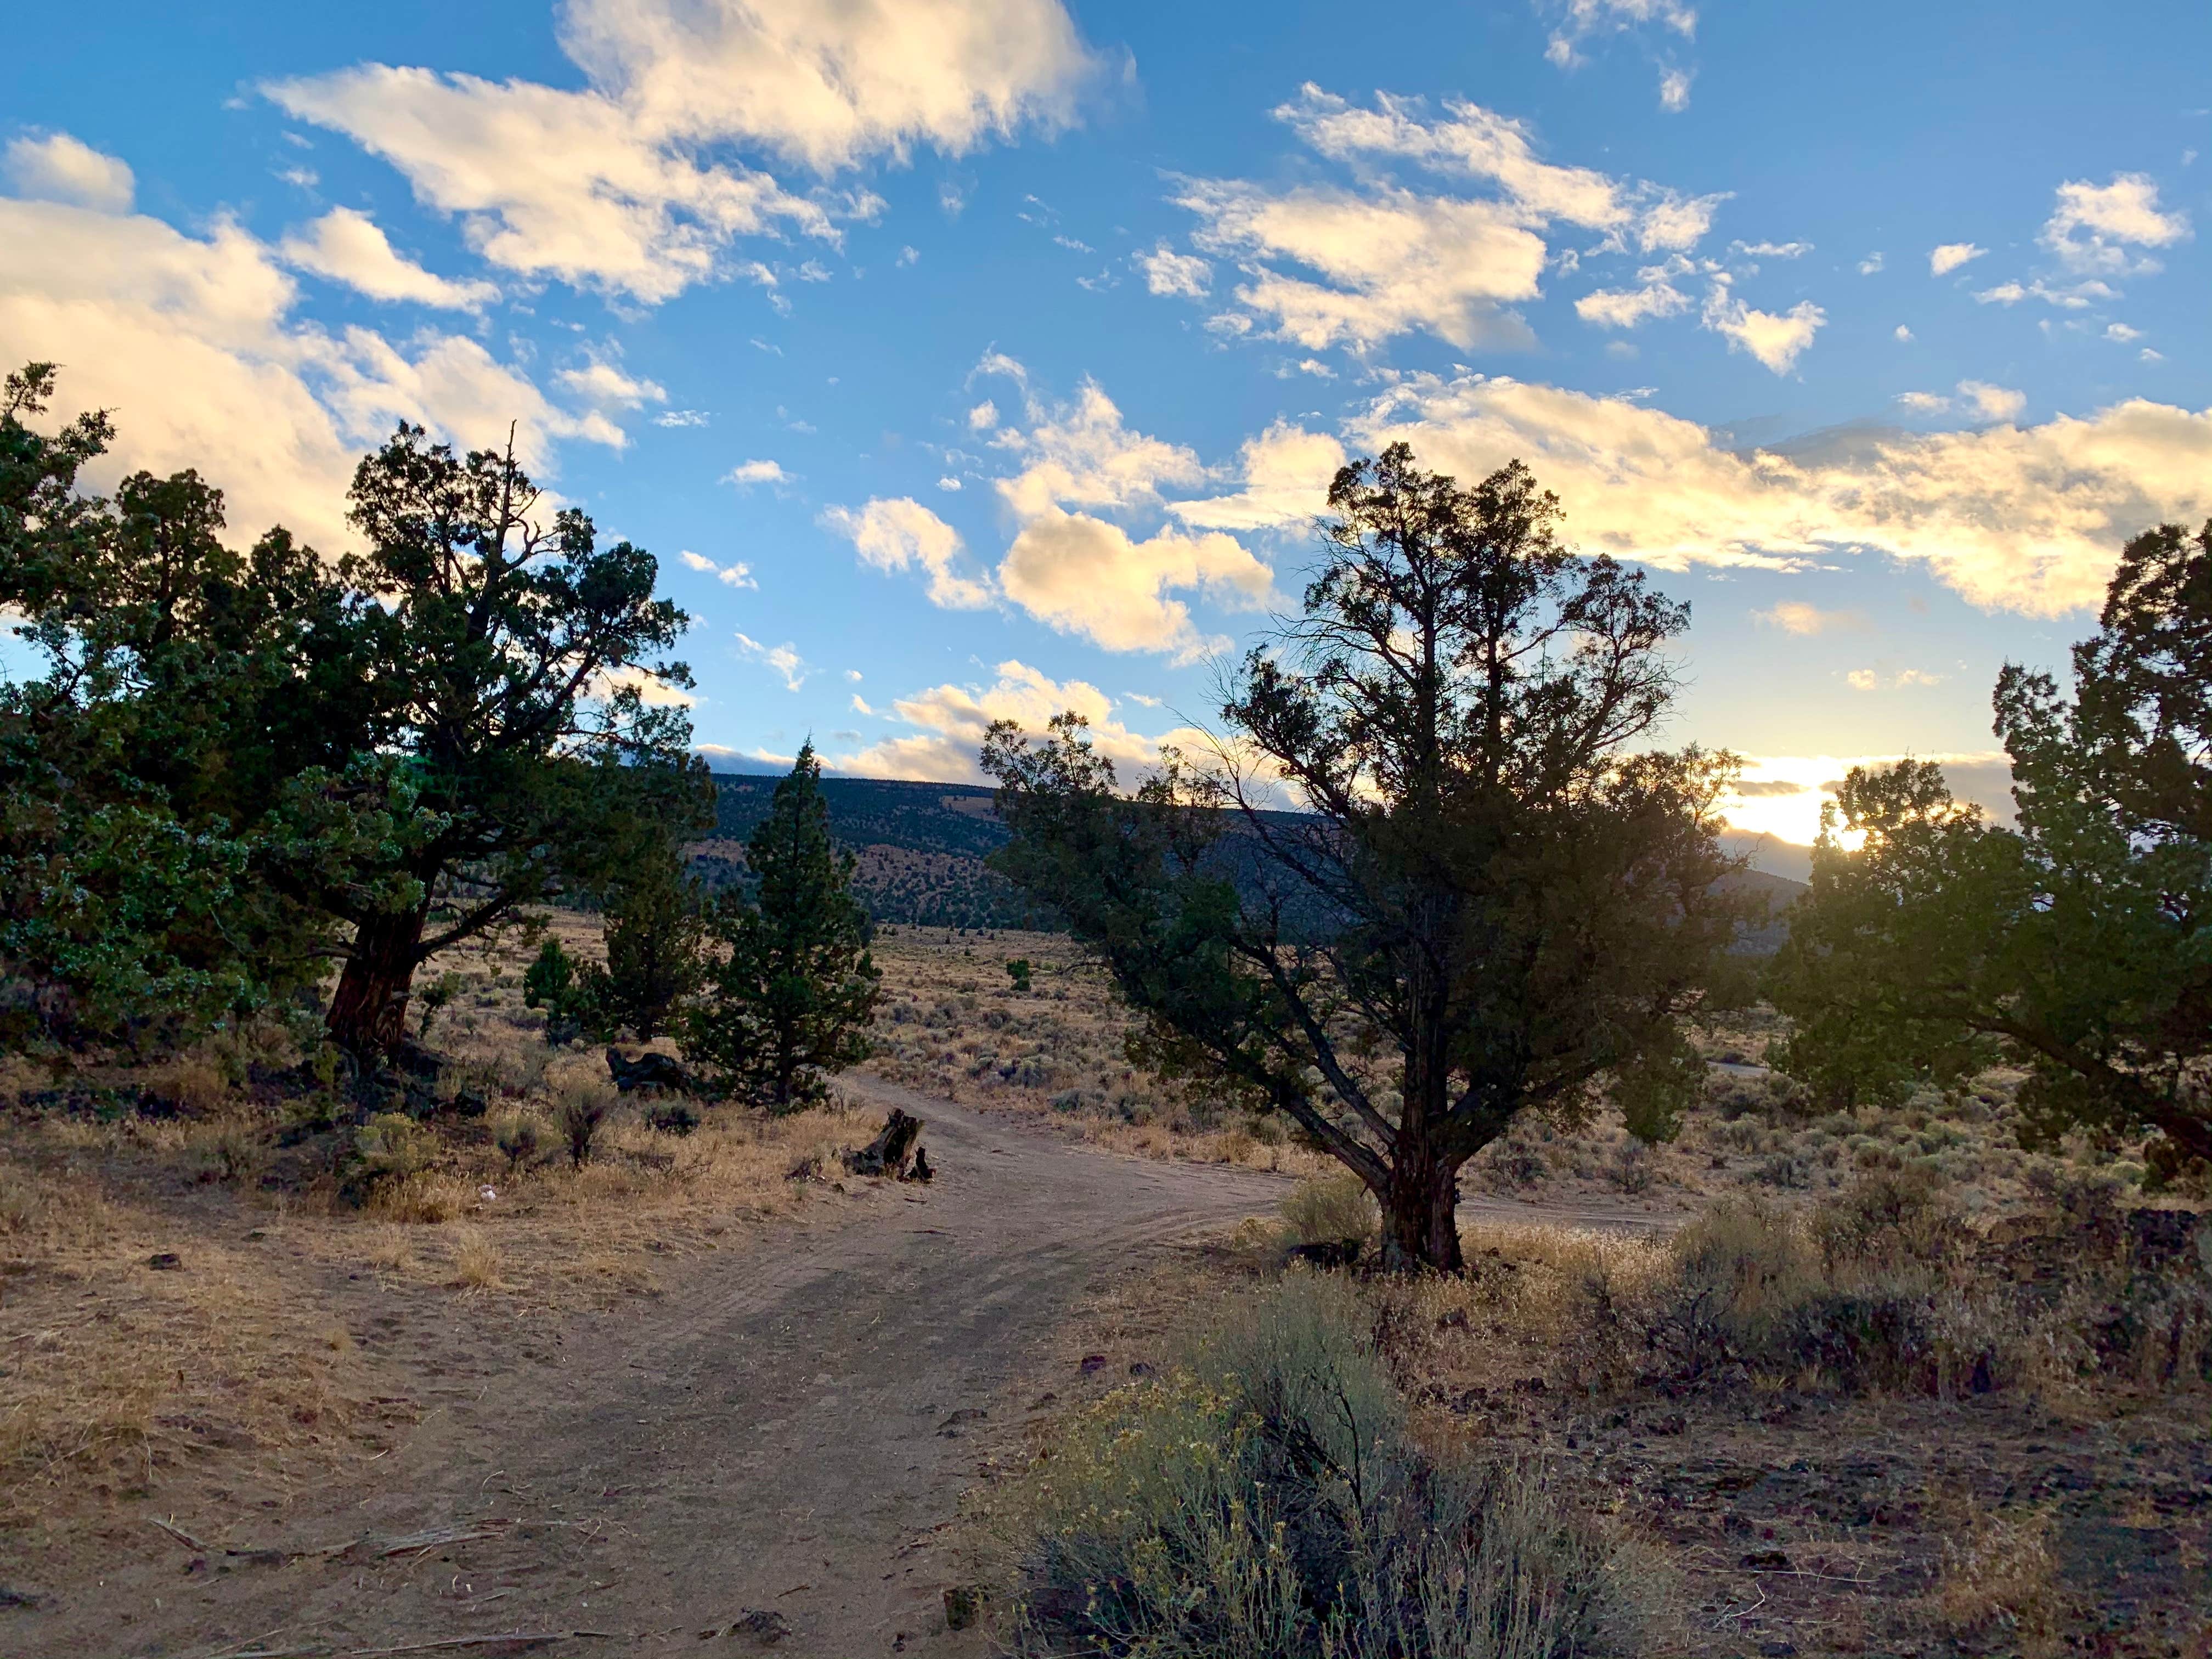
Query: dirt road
point(777, 1435)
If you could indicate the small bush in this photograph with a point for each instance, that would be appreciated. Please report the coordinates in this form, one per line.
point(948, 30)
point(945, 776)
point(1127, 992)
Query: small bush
point(578, 1109)
point(517, 1136)
point(391, 1147)
point(672, 1117)
point(1263, 1502)
point(1331, 1210)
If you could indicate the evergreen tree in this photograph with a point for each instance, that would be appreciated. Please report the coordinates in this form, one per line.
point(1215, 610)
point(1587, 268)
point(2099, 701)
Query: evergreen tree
point(792, 999)
point(2077, 945)
point(655, 931)
point(1491, 906)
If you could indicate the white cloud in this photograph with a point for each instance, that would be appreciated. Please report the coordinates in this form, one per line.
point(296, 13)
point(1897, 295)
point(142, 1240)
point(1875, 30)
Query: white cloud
point(1869, 679)
point(1992, 403)
point(894, 534)
point(605, 185)
point(737, 575)
point(681, 417)
point(60, 168)
point(831, 86)
point(1081, 455)
point(1355, 265)
point(2091, 224)
point(1871, 266)
point(2122, 333)
point(951, 721)
point(1676, 223)
point(1796, 616)
point(755, 473)
point(1942, 261)
point(651, 689)
point(1389, 261)
point(1626, 307)
point(1286, 472)
point(551, 183)
point(1581, 19)
point(1085, 576)
point(1771, 250)
point(349, 248)
point(193, 343)
point(1924, 403)
point(783, 659)
point(2027, 519)
point(1167, 271)
point(1776, 341)
point(2077, 296)
point(1585, 18)
point(950, 484)
point(984, 417)
point(603, 386)
point(1901, 333)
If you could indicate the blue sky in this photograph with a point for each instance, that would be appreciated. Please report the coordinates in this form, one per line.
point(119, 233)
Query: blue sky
point(963, 357)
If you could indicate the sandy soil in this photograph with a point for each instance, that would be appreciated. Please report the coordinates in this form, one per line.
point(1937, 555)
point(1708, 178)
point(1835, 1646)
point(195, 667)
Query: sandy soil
point(785, 1430)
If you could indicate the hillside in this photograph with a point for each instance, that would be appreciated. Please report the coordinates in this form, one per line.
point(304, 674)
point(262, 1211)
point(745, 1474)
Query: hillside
point(922, 846)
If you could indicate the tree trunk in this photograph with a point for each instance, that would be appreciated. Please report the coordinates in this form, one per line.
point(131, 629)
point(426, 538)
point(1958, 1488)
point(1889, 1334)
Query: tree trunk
point(1420, 1213)
point(368, 1014)
point(1420, 1219)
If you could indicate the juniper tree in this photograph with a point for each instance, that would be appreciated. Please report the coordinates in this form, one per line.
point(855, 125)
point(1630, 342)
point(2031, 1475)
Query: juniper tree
point(2077, 945)
point(1488, 906)
point(791, 996)
point(510, 753)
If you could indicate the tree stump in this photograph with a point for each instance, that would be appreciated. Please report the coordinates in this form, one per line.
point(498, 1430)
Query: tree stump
point(650, 1070)
point(888, 1153)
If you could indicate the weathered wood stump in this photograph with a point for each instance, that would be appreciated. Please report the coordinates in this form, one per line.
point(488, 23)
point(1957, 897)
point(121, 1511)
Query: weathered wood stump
point(888, 1154)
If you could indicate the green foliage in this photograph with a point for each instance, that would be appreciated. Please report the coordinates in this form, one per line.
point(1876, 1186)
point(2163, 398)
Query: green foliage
point(792, 997)
point(390, 1147)
point(1492, 908)
point(2078, 945)
point(435, 997)
point(509, 754)
point(517, 1136)
point(234, 766)
point(1018, 970)
point(1264, 1502)
point(136, 768)
point(551, 982)
point(655, 940)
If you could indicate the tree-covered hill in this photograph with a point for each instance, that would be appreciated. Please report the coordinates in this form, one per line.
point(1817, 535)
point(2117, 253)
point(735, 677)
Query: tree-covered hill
point(921, 848)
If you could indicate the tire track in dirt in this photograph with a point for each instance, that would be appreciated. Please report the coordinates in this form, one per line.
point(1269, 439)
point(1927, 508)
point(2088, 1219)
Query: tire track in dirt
point(770, 1434)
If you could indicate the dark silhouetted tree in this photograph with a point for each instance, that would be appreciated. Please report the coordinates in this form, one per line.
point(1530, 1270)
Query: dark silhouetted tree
point(2079, 945)
point(1490, 906)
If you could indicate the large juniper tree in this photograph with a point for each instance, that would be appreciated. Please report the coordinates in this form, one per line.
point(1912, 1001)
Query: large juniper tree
point(179, 682)
point(792, 995)
point(510, 752)
point(2079, 945)
point(1488, 905)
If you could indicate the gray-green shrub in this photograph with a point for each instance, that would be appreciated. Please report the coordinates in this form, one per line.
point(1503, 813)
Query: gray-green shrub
point(1263, 1501)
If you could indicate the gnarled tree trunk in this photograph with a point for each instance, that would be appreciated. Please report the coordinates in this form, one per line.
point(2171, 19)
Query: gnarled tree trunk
point(368, 1014)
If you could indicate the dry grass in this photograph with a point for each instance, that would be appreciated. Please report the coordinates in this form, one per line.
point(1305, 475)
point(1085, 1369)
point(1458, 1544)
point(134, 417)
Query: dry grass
point(2001, 1579)
point(116, 1369)
point(952, 1024)
point(117, 1376)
